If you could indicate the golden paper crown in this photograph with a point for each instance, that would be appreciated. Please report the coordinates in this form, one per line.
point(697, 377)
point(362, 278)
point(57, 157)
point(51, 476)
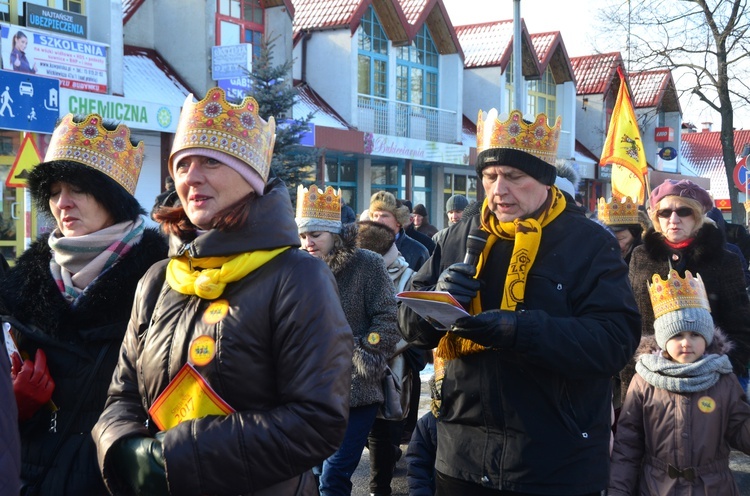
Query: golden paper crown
point(676, 293)
point(318, 210)
point(90, 144)
point(618, 212)
point(234, 129)
point(536, 138)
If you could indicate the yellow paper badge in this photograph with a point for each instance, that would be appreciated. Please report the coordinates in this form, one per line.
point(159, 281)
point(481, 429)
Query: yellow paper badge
point(216, 312)
point(188, 396)
point(202, 350)
point(706, 404)
point(373, 338)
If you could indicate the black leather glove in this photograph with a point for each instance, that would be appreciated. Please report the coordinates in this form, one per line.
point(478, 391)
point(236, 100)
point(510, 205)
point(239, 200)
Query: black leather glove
point(493, 328)
point(139, 461)
point(458, 280)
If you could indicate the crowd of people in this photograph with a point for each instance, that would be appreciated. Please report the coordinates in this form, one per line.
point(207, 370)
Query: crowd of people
point(245, 347)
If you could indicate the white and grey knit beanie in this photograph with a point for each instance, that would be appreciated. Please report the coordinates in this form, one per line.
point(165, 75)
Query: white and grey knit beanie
point(684, 319)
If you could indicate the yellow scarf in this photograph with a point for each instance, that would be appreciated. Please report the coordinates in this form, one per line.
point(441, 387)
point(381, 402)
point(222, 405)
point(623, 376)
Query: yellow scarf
point(216, 272)
point(527, 235)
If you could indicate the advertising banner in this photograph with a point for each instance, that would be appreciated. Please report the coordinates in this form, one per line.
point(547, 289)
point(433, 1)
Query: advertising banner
point(78, 64)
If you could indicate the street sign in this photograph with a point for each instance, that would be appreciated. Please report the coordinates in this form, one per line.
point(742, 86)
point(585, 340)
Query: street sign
point(28, 103)
point(740, 175)
point(27, 158)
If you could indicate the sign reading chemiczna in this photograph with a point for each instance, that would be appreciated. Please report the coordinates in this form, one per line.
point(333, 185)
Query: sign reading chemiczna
point(60, 21)
point(78, 64)
point(135, 114)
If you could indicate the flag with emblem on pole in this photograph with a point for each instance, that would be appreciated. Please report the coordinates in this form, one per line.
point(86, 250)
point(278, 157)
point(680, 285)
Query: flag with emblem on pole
point(623, 149)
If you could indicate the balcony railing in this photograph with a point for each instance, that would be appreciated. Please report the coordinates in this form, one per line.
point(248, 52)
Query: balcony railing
point(394, 118)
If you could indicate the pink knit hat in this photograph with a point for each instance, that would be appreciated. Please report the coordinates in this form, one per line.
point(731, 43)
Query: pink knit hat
point(243, 169)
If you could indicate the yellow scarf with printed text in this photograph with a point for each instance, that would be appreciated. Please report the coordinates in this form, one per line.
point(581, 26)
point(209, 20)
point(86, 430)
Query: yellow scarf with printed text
point(526, 235)
point(215, 273)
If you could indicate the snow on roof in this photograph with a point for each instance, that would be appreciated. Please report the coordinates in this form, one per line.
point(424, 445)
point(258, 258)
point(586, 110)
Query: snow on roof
point(485, 44)
point(147, 77)
point(310, 102)
point(594, 73)
point(702, 152)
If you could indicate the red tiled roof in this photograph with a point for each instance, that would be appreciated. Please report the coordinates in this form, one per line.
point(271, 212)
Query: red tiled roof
point(552, 53)
point(702, 152)
point(544, 44)
point(580, 148)
point(128, 9)
point(413, 9)
point(594, 73)
point(648, 87)
point(487, 44)
point(325, 14)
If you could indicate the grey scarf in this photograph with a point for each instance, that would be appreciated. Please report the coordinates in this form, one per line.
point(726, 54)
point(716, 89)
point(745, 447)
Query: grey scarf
point(683, 377)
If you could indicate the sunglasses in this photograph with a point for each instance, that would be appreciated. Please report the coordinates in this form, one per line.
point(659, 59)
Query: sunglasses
point(681, 212)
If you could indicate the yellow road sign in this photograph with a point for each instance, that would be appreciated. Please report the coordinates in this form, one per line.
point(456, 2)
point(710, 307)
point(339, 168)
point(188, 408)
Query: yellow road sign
point(27, 158)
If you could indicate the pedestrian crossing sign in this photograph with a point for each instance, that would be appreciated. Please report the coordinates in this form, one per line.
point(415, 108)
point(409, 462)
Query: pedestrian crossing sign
point(27, 158)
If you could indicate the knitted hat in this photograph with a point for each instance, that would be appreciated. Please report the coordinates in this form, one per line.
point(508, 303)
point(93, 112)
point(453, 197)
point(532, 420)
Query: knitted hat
point(233, 134)
point(685, 319)
point(383, 200)
point(420, 210)
point(318, 209)
point(528, 146)
point(683, 188)
point(456, 202)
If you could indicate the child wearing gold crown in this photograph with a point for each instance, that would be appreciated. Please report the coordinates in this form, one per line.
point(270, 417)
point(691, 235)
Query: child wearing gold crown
point(685, 408)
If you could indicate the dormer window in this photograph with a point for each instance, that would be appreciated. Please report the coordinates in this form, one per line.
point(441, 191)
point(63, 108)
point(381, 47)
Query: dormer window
point(372, 73)
point(417, 71)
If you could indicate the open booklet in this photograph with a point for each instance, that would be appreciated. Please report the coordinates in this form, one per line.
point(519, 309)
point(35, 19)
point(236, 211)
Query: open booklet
point(438, 308)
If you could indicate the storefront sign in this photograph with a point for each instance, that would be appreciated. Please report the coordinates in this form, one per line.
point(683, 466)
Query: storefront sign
point(60, 21)
point(231, 61)
point(78, 64)
point(663, 134)
point(133, 113)
point(235, 88)
point(427, 151)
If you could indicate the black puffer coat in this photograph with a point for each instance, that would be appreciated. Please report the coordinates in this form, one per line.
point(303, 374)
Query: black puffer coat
point(722, 276)
point(535, 417)
point(72, 337)
point(283, 354)
point(369, 303)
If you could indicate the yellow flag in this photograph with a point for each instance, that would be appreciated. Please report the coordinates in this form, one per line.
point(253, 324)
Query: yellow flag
point(623, 149)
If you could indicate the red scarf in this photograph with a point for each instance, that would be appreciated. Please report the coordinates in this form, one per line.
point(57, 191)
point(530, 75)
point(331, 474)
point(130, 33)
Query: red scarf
point(680, 245)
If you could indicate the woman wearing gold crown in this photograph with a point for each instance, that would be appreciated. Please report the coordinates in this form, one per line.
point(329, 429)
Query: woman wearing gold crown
point(69, 298)
point(685, 409)
point(234, 374)
point(369, 303)
point(683, 238)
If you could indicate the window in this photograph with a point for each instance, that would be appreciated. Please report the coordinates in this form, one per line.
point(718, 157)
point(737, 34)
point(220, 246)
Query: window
point(73, 6)
point(372, 71)
point(385, 177)
point(341, 173)
point(417, 71)
point(420, 182)
point(240, 21)
point(543, 96)
point(459, 184)
point(5, 10)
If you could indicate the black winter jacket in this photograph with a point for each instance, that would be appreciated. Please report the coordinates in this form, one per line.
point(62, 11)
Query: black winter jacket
point(283, 354)
point(72, 337)
point(413, 251)
point(535, 417)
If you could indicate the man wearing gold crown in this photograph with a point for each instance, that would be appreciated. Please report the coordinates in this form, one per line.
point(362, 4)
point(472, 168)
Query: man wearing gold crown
point(526, 397)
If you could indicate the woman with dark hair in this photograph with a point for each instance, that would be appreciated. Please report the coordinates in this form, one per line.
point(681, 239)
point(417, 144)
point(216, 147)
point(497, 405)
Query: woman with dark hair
point(234, 375)
point(69, 297)
point(369, 302)
point(18, 60)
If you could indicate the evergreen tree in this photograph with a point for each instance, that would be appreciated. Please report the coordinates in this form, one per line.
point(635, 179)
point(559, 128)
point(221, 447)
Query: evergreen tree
point(273, 90)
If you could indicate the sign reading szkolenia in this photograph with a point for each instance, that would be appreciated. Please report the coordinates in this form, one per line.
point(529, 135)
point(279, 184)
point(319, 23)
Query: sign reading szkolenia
point(60, 21)
point(78, 64)
point(135, 114)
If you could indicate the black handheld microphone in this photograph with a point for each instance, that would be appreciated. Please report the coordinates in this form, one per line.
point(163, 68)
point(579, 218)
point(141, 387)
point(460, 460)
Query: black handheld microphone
point(475, 242)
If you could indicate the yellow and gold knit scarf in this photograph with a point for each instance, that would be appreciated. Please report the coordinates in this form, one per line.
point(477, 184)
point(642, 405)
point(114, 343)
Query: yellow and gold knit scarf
point(215, 273)
point(527, 235)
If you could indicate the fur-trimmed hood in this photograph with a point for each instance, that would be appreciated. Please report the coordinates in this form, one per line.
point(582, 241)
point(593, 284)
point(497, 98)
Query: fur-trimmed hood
point(709, 241)
point(342, 255)
point(721, 345)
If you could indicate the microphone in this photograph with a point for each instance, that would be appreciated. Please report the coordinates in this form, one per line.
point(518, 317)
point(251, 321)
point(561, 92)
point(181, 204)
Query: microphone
point(475, 242)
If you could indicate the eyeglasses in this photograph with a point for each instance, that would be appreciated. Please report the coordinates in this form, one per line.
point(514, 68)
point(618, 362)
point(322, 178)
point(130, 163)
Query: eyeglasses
point(681, 212)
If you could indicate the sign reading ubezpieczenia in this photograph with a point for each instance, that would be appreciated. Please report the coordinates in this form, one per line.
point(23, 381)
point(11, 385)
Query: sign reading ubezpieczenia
point(78, 64)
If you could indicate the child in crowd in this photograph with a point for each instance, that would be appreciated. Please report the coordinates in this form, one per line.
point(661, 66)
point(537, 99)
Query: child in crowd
point(685, 408)
point(420, 456)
